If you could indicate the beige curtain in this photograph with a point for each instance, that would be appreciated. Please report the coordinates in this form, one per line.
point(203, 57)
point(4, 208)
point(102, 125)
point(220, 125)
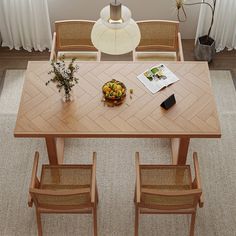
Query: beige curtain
point(25, 23)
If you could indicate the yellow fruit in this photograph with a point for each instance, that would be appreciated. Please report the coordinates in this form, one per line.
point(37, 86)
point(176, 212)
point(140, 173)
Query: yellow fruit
point(105, 88)
point(113, 90)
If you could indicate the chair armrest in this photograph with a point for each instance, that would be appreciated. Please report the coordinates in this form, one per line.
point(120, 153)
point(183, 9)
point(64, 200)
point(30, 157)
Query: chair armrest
point(137, 178)
point(93, 183)
point(34, 179)
point(53, 54)
point(197, 180)
point(181, 55)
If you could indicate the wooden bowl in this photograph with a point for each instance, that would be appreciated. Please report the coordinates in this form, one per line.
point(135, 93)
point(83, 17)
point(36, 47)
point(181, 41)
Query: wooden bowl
point(114, 92)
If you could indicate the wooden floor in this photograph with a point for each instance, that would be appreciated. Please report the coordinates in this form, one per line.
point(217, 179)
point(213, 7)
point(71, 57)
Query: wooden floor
point(225, 60)
point(13, 59)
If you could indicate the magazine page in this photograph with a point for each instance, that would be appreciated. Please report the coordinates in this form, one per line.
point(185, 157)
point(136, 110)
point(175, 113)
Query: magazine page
point(157, 78)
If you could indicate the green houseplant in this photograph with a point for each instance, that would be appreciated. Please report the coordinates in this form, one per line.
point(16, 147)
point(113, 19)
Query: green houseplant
point(63, 77)
point(205, 47)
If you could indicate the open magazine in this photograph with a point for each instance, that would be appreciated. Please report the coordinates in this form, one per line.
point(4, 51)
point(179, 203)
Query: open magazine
point(157, 78)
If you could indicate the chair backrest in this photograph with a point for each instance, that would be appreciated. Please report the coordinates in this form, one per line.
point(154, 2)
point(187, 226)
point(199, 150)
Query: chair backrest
point(158, 35)
point(170, 200)
point(74, 35)
point(62, 188)
point(61, 199)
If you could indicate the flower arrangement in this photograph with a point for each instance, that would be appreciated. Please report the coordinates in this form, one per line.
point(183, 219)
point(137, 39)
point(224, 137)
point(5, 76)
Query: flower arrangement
point(63, 76)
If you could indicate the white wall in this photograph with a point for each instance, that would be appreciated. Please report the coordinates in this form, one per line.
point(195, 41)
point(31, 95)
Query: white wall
point(141, 10)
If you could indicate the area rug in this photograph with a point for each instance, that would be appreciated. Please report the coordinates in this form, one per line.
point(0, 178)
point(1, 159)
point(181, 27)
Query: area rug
point(116, 175)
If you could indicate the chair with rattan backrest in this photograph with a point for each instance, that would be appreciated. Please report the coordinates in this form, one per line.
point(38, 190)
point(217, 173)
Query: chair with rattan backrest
point(160, 40)
point(167, 189)
point(72, 38)
point(64, 189)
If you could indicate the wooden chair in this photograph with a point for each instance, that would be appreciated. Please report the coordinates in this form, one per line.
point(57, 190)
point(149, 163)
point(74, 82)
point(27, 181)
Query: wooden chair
point(160, 41)
point(64, 189)
point(167, 189)
point(72, 38)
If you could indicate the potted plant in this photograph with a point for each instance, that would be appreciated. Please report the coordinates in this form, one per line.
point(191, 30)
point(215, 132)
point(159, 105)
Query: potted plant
point(205, 46)
point(64, 78)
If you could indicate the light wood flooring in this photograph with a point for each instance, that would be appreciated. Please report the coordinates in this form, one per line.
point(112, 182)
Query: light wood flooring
point(13, 59)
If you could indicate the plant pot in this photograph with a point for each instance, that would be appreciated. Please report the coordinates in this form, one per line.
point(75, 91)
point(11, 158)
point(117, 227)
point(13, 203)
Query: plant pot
point(205, 49)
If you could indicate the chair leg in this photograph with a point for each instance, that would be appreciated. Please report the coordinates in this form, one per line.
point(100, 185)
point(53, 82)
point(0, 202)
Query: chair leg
point(136, 220)
point(96, 193)
point(135, 194)
point(95, 220)
point(39, 223)
point(193, 217)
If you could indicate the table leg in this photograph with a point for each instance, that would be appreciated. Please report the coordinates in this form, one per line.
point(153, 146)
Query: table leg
point(55, 148)
point(179, 148)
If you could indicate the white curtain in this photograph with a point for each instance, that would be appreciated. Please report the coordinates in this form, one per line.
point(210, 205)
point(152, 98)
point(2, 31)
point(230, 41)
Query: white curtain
point(25, 23)
point(224, 27)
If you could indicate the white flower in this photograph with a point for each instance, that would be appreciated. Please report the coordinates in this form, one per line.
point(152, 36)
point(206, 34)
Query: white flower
point(62, 70)
point(61, 63)
point(63, 74)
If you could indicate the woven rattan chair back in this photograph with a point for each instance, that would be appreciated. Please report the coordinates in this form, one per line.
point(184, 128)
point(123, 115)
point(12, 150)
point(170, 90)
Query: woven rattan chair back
point(158, 37)
point(74, 35)
point(72, 39)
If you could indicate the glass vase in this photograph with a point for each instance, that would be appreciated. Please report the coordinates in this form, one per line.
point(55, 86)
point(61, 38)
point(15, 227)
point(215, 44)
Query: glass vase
point(67, 97)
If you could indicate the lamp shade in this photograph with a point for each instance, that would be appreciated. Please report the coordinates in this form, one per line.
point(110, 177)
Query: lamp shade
point(115, 38)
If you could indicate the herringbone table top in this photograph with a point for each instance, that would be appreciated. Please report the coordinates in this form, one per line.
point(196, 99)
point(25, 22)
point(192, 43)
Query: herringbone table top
point(42, 112)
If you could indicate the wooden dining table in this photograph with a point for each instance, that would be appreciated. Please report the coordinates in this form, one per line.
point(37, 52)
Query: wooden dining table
point(43, 114)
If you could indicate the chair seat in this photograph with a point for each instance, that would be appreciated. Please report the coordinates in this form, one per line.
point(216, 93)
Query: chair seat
point(165, 178)
point(66, 177)
point(156, 56)
point(79, 55)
